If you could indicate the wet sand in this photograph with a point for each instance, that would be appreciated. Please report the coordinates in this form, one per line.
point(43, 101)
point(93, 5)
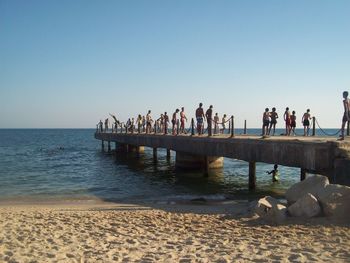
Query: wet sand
point(109, 232)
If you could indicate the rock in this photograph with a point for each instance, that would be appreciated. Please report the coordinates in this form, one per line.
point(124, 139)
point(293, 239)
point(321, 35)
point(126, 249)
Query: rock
point(312, 184)
point(306, 206)
point(335, 201)
point(271, 210)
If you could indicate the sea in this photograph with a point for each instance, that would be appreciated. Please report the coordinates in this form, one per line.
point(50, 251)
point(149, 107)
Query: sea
point(68, 164)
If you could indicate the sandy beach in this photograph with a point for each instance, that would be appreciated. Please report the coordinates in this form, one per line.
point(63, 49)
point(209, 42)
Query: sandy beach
point(109, 232)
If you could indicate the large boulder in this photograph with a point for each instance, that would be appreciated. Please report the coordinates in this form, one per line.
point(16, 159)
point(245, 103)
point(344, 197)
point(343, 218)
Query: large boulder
point(335, 201)
point(312, 184)
point(306, 206)
point(271, 210)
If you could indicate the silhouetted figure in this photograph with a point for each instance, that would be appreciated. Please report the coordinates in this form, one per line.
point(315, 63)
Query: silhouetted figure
point(306, 122)
point(286, 117)
point(266, 121)
point(346, 116)
point(200, 118)
point(183, 118)
point(273, 122)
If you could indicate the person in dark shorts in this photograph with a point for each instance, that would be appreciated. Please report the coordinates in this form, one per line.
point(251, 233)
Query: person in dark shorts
point(266, 121)
point(306, 122)
point(293, 122)
point(208, 115)
point(200, 118)
point(273, 122)
point(346, 116)
point(166, 122)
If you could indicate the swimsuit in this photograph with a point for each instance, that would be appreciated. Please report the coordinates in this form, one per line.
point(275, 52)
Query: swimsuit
point(200, 120)
point(306, 122)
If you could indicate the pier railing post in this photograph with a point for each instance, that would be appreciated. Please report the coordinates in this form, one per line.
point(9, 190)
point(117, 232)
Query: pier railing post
point(313, 126)
point(348, 129)
point(302, 174)
point(192, 127)
point(252, 175)
point(232, 127)
point(245, 127)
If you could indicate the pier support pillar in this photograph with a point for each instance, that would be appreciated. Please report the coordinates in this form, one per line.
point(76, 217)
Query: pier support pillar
point(103, 146)
point(188, 161)
point(302, 174)
point(252, 175)
point(109, 146)
point(155, 159)
point(168, 154)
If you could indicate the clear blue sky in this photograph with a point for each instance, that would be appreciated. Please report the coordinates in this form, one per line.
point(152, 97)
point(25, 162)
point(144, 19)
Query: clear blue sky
point(70, 63)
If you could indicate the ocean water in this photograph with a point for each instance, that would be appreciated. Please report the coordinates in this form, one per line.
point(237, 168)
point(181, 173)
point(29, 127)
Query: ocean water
point(68, 164)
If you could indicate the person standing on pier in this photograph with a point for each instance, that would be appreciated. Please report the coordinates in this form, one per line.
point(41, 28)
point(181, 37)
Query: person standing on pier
point(100, 126)
point(174, 121)
point(274, 117)
point(106, 125)
point(286, 117)
point(306, 122)
point(200, 118)
point(143, 123)
point(160, 122)
point(216, 123)
point(346, 116)
point(166, 122)
point(182, 120)
point(208, 115)
point(266, 122)
point(149, 122)
point(139, 123)
point(293, 122)
point(223, 123)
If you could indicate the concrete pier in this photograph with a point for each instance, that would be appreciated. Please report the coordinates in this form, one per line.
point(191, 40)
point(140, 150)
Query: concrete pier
point(325, 156)
point(197, 162)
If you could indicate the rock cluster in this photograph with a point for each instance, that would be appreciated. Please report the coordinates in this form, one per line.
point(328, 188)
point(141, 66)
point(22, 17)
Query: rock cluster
point(314, 196)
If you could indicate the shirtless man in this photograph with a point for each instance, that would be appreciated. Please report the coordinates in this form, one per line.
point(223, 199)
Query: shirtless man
point(174, 121)
point(216, 123)
point(306, 122)
point(149, 122)
point(274, 117)
point(346, 116)
point(200, 118)
point(106, 125)
point(223, 123)
point(208, 115)
point(293, 122)
point(286, 117)
point(166, 122)
point(183, 118)
point(266, 122)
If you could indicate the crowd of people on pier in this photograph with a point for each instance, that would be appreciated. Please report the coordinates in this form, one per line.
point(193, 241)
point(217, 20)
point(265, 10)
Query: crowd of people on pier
point(215, 124)
point(269, 120)
point(146, 124)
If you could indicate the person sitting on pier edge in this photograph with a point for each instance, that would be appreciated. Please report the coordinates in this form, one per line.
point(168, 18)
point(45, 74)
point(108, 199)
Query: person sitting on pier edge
point(200, 118)
point(174, 121)
point(223, 123)
point(266, 121)
point(275, 174)
point(182, 120)
point(166, 122)
point(216, 123)
point(346, 116)
point(208, 115)
point(274, 117)
point(293, 122)
point(306, 122)
point(286, 117)
point(149, 122)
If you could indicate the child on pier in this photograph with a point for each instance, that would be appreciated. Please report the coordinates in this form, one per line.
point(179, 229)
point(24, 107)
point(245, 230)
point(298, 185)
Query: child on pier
point(275, 174)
